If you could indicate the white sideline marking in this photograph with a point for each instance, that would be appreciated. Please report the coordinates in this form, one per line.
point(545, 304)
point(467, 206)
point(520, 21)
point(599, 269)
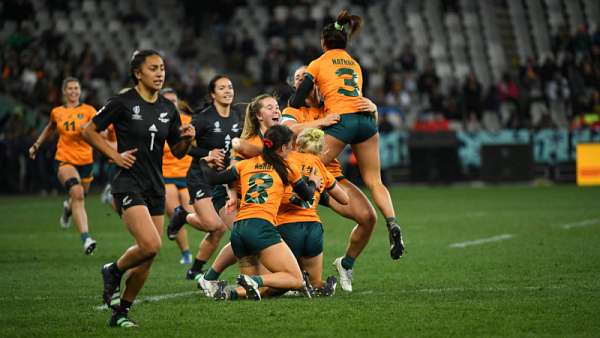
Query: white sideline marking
point(488, 289)
point(481, 241)
point(156, 298)
point(581, 224)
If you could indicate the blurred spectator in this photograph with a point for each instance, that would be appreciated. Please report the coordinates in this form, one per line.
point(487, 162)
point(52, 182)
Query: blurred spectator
point(106, 69)
point(428, 79)
point(472, 98)
point(582, 43)
point(384, 124)
point(408, 60)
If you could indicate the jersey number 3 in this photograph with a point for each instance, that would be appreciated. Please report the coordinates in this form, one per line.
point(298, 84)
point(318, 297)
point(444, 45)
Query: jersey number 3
point(350, 82)
point(257, 188)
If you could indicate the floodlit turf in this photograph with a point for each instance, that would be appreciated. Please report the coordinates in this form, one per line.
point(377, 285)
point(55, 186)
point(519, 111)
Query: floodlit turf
point(542, 281)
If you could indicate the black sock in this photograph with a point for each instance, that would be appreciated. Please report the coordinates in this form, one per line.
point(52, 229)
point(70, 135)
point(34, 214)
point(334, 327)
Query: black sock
point(124, 307)
point(389, 220)
point(115, 269)
point(198, 265)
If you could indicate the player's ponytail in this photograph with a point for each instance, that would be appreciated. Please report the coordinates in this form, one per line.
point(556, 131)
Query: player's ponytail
point(310, 140)
point(275, 137)
point(137, 60)
point(336, 35)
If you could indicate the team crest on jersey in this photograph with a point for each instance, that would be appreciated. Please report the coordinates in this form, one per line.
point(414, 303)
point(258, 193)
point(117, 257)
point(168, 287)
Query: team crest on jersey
point(126, 201)
point(217, 128)
point(235, 128)
point(199, 194)
point(80, 116)
point(163, 117)
point(136, 113)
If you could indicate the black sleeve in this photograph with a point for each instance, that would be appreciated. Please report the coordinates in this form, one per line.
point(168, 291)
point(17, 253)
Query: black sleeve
point(213, 177)
point(324, 199)
point(108, 114)
point(198, 152)
point(306, 191)
point(198, 123)
point(174, 134)
point(302, 92)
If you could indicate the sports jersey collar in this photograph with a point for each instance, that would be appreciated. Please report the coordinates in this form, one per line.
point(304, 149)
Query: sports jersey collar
point(77, 106)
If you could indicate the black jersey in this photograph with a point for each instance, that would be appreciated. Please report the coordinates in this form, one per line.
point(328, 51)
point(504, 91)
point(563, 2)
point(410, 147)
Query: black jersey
point(145, 126)
point(215, 131)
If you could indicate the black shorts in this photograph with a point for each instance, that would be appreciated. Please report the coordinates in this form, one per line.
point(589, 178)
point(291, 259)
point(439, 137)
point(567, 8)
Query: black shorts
point(197, 185)
point(154, 202)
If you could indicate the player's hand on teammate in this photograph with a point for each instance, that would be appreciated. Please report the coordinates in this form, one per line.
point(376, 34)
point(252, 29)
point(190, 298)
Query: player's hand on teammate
point(33, 150)
point(126, 159)
point(367, 105)
point(318, 180)
point(217, 157)
point(187, 131)
point(329, 120)
point(236, 143)
point(232, 202)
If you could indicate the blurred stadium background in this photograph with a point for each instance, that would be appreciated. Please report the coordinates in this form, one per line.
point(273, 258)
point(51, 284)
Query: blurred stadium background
point(493, 90)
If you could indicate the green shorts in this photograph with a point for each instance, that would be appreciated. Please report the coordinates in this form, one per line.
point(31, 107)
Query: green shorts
point(353, 128)
point(86, 171)
point(304, 238)
point(252, 235)
point(219, 197)
point(179, 182)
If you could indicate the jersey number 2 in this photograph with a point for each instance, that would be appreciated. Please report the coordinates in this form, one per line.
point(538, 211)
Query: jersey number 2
point(257, 191)
point(350, 82)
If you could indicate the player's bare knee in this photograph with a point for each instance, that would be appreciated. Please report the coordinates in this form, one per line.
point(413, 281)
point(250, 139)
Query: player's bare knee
point(216, 226)
point(373, 182)
point(366, 218)
point(151, 248)
point(221, 228)
point(77, 193)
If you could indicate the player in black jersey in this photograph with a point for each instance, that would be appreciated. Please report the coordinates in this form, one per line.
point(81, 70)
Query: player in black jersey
point(216, 126)
point(143, 121)
point(261, 113)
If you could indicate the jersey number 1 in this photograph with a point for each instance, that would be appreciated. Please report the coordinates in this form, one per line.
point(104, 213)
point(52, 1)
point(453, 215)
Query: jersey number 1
point(152, 141)
point(351, 82)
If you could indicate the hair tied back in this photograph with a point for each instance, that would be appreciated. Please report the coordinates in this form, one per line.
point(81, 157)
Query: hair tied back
point(267, 143)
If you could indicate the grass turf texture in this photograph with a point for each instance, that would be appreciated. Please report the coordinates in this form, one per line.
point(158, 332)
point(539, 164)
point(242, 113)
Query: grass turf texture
point(541, 282)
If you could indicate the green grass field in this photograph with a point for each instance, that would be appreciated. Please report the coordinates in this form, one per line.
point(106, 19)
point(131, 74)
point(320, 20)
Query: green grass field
point(542, 281)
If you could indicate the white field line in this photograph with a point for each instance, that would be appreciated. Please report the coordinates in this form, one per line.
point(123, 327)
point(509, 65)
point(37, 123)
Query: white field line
point(488, 289)
point(581, 224)
point(156, 298)
point(481, 241)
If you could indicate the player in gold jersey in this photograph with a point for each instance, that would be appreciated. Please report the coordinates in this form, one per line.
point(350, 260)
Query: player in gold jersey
point(338, 77)
point(74, 157)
